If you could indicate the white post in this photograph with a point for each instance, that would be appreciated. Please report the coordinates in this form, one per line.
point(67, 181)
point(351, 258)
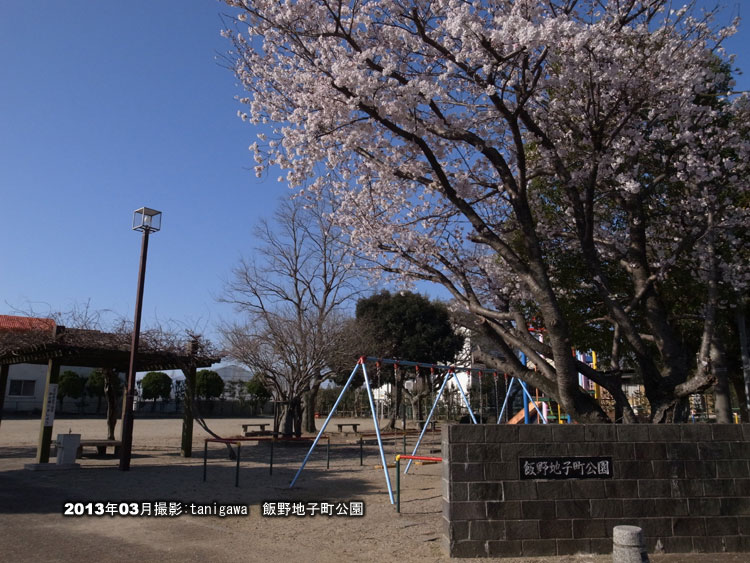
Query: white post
point(628, 545)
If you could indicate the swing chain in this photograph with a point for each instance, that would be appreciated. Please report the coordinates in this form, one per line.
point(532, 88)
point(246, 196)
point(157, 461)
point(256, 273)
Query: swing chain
point(380, 393)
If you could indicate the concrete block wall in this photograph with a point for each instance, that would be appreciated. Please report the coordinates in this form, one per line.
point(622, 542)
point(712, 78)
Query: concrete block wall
point(687, 486)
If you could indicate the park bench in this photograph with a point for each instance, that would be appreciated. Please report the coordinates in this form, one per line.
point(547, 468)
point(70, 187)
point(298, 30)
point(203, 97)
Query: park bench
point(433, 424)
point(354, 426)
point(260, 426)
point(100, 445)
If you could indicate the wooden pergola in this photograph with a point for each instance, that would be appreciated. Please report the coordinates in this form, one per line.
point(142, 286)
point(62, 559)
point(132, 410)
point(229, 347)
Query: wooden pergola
point(41, 342)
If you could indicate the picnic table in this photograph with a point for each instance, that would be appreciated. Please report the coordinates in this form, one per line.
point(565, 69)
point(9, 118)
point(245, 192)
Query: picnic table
point(261, 426)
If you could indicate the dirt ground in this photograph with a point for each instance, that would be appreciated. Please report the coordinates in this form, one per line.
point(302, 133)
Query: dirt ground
point(34, 528)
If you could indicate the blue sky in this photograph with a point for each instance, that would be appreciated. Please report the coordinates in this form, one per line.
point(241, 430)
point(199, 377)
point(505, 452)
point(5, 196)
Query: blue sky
point(109, 106)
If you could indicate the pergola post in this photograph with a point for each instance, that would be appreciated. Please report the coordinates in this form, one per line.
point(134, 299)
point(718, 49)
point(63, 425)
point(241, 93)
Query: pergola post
point(48, 411)
point(4, 369)
point(186, 449)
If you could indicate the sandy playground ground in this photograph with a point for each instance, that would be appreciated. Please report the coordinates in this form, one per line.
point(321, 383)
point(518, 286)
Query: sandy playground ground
point(34, 528)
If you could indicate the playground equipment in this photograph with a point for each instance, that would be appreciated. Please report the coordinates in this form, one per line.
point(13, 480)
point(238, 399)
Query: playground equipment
point(526, 406)
point(451, 374)
point(403, 434)
point(360, 364)
point(524, 414)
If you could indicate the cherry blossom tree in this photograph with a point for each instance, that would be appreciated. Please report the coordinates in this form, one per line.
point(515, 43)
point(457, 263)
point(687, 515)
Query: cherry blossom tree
point(478, 145)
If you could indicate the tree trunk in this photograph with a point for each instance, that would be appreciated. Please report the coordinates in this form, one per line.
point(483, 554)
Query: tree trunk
point(398, 398)
point(417, 396)
point(723, 404)
point(742, 330)
point(424, 388)
point(311, 398)
point(416, 406)
point(287, 419)
point(297, 412)
point(308, 412)
point(278, 409)
point(110, 392)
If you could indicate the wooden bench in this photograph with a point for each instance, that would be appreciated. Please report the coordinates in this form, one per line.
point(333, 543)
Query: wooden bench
point(260, 426)
point(353, 425)
point(433, 424)
point(100, 445)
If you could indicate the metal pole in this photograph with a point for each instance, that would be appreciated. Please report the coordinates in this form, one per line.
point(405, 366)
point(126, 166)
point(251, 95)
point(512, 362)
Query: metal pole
point(466, 400)
point(205, 458)
point(270, 464)
point(4, 370)
point(398, 483)
point(533, 402)
point(127, 411)
point(522, 359)
point(237, 471)
point(597, 389)
point(505, 402)
point(525, 404)
point(497, 402)
point(328, 418)
point(377, 433)
point(429, 417)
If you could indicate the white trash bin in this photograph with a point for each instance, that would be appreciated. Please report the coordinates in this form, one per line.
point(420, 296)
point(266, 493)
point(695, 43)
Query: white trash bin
point(67, 448)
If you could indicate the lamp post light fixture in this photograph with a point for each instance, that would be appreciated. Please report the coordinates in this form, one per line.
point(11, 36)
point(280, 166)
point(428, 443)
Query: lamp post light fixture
point(147, 221)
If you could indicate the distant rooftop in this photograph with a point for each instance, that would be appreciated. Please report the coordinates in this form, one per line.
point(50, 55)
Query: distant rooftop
point(11, 323)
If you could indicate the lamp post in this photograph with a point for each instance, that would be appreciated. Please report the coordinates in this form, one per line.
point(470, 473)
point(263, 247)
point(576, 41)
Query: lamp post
point(147, 221)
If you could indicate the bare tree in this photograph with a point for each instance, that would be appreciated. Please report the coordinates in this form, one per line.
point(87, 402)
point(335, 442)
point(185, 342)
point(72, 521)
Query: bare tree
point(291, 295)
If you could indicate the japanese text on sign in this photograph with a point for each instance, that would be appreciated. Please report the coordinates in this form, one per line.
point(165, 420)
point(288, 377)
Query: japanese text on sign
point(565, 467)
point(49, 413)
point(286, 509)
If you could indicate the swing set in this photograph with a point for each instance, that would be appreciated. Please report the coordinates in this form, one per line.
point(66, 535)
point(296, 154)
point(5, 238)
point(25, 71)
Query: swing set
point(361, 364)
point(450, 374)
